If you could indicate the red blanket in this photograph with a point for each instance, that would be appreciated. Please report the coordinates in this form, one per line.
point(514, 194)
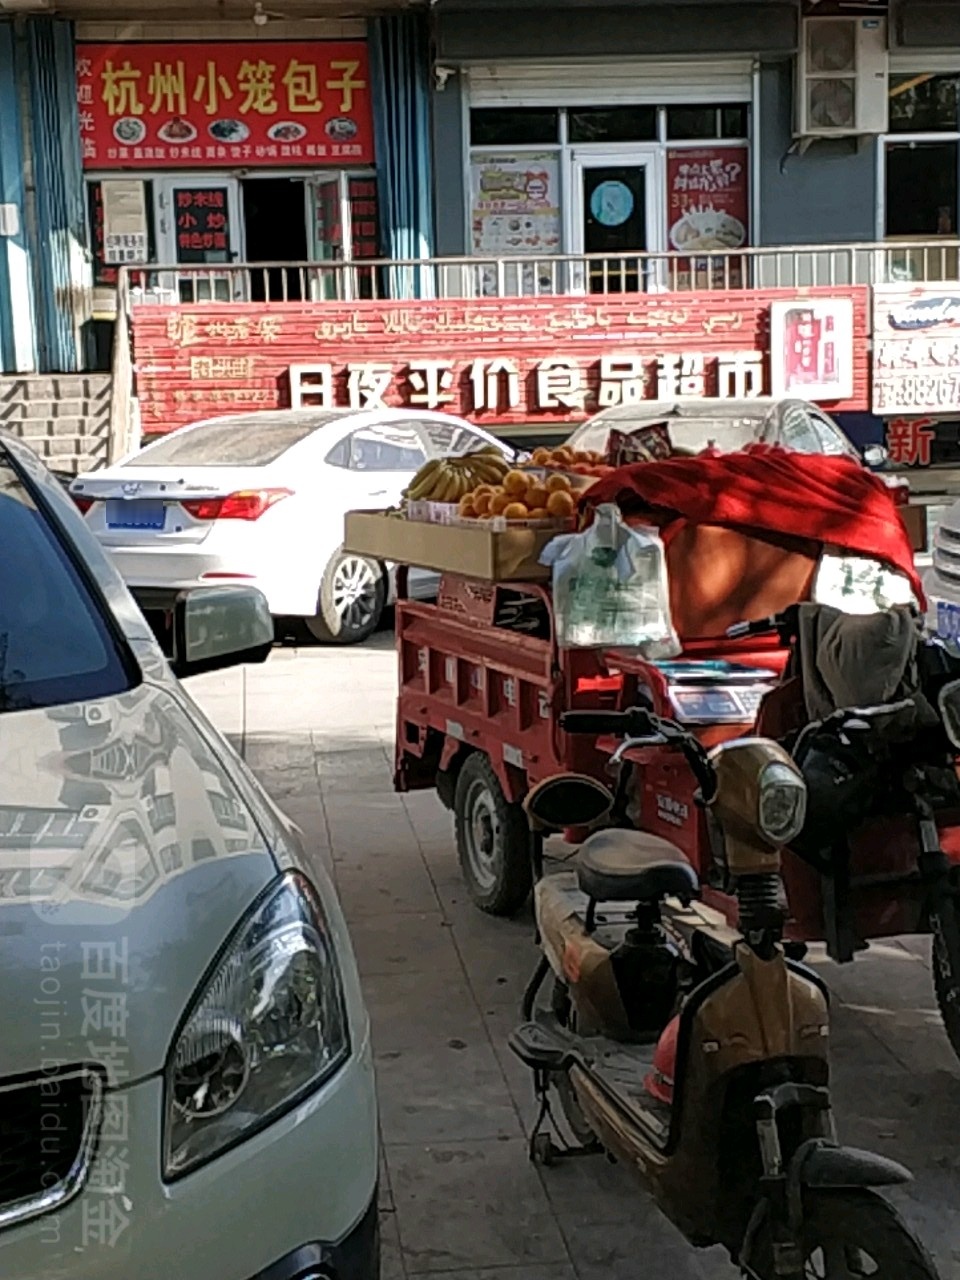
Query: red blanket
point(765, 488)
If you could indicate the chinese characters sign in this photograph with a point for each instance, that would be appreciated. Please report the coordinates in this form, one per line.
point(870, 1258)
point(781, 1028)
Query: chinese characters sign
point(145, 106)
point(202, 227)
point(496, 361)
point(916, 350)
point(811, 348)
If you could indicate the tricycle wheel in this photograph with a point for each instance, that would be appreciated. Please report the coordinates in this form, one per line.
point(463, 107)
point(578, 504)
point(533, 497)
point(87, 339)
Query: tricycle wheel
point(846, 1234)
point(946, 969)
point(493, 840)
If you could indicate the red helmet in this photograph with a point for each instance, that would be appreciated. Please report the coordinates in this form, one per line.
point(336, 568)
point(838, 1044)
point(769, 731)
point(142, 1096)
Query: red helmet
point(659, 1082)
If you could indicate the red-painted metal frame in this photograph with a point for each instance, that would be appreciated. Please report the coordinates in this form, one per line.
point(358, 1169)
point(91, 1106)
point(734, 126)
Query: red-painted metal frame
point(469, 685)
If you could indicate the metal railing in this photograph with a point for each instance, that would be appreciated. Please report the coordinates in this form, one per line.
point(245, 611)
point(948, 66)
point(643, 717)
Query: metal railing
point(770, 267)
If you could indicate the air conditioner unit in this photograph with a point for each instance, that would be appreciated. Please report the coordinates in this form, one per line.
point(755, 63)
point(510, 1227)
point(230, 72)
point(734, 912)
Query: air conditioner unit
point(842, 78)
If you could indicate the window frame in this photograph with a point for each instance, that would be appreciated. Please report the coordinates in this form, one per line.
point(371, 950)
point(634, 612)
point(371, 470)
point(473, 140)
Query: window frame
point(898, 139)
point(88, 587)
point(564, 151)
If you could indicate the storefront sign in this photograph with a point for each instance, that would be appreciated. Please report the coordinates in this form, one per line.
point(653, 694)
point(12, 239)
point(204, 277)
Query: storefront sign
point(124, 222)
point(202, 224)
point(916, 349)
point(497, 361)
point(909, 441)
point(150, 106)
point(811, 348)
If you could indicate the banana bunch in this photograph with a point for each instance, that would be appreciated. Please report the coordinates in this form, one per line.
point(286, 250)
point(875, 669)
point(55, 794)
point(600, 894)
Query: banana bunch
point(449, 479)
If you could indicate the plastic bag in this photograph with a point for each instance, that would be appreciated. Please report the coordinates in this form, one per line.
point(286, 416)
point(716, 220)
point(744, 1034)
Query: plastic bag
point(610, 588)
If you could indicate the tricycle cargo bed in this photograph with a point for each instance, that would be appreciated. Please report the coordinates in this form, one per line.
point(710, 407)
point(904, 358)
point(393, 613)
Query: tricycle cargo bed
point(480, 671)
point(478, 551)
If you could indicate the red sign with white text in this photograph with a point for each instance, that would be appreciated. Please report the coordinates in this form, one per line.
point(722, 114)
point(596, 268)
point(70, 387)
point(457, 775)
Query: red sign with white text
point(499, 362)
point(150, 106)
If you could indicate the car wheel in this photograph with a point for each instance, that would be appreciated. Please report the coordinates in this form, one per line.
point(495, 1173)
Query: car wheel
point(352, 598)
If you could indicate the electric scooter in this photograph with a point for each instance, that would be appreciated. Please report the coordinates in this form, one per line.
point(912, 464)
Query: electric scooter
point(711, 1083)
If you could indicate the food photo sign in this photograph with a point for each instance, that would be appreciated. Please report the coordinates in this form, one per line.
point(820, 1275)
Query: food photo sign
point(708, 209)
point(143, 106)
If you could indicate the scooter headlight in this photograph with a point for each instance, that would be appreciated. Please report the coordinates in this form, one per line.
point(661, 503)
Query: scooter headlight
point(783, 803)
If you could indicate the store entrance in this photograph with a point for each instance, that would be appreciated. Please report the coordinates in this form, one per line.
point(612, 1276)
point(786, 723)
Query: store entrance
point(617, 216)
point(275, 227)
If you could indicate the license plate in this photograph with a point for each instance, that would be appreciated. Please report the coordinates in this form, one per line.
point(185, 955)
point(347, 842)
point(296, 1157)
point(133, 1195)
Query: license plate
point(948, 620)
point(136, 515)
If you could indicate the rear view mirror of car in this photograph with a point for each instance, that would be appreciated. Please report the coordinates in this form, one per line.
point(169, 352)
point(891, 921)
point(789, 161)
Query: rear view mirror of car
point(875, 455)
point(220, 627)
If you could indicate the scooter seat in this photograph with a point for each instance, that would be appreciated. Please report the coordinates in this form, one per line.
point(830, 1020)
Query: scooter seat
point(633, 866)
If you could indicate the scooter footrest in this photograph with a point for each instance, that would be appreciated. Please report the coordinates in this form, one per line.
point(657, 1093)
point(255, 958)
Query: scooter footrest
point(539, 1048)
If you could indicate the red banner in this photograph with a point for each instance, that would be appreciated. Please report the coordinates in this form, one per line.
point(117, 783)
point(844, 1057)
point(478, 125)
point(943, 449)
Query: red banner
point(499, 362)
point(148, 106)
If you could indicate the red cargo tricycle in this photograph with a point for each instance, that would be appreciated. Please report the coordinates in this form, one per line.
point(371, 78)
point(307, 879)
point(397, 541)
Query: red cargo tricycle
point(772, 540)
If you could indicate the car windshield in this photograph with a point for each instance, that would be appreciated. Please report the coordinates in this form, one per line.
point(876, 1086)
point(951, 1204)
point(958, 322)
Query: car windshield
point(55, 645)
point(243, 440)
point(692, 435)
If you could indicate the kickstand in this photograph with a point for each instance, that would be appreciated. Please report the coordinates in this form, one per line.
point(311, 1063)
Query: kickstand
point(542, 1149)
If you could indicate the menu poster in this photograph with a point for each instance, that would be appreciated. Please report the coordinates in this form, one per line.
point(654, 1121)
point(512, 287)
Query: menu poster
point(708, 207)
point(125, 236)
point(363, 218)
point(203, 233)
point(515, 205)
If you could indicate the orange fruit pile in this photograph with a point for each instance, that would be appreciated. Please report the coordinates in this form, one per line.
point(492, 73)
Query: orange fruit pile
point(578, 462)
point(522, 496)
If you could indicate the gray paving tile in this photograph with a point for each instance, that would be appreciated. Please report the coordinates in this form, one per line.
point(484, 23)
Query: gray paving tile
point(471, 1206)
point(621, 1251)
point(443, 1093)
point(417, 1011)
point(421, 944)
point(553, 1272)
point(384, 889)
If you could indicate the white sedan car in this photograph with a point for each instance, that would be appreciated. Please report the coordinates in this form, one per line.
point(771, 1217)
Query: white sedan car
point(259, 498)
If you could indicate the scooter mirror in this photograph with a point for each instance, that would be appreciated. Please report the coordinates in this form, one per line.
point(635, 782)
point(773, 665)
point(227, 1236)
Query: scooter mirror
point(567, 800)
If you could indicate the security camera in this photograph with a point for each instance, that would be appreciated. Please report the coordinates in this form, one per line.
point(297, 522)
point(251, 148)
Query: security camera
point(441, 75)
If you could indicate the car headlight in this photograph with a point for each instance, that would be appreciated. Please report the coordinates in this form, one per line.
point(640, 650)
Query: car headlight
point(783, 803)
point(267, 1027)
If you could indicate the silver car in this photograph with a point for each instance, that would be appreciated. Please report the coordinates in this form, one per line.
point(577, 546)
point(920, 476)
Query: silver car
point(186, 1078)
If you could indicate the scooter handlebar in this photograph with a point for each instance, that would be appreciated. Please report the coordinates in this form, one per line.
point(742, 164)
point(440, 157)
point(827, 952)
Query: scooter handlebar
point(626, 724)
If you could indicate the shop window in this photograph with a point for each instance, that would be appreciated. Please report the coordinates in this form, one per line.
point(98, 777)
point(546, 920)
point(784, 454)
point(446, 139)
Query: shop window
point(105, 273)
point(921, 189)
point(614, 124)
point(696, 122)
point(493, 126)
point(921, 103)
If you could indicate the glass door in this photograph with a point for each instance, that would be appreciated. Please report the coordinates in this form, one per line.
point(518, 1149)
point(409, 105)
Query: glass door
point(326, 243)
point(617, 213)
point(198, 224)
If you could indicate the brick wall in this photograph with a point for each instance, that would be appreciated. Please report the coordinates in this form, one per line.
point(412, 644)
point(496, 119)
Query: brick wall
point(65, 418)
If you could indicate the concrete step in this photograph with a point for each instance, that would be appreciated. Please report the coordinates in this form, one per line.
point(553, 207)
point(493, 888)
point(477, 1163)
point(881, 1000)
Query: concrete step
point(86, 386)
point(43, 410)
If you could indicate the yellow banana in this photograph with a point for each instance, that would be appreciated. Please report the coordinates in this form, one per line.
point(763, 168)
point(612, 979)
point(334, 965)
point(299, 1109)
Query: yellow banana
point(422, 481)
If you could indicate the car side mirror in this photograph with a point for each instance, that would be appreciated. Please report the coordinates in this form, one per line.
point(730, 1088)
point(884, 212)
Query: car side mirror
point(218, 627)
point(875, 455)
